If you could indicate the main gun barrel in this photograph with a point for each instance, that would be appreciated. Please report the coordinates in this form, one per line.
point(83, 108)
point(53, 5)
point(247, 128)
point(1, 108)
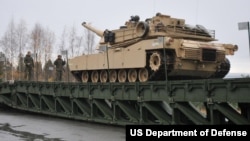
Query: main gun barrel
point(96, 31)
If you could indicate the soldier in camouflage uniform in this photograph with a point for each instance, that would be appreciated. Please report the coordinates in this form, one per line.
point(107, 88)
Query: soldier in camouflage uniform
point(59, 63)
point(29, 65)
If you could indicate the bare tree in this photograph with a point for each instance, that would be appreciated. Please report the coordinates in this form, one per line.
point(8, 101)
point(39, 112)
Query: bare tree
point(89, 41)
point(79, 44)
point(72, 42)
point(22, 40)
point(9, 44)
point(42, 41)
point(37, 36)
point(62, 45)
point(22, 36)
point(48, 42)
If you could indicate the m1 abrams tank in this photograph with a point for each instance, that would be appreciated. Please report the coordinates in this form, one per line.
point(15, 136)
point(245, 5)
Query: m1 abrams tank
point(159, 48)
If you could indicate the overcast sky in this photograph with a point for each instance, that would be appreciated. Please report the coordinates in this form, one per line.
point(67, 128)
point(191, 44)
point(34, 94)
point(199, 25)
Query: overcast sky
point(222, 16)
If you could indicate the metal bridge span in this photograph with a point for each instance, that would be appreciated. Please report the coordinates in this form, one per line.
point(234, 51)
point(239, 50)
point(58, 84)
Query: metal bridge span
point(199, 102)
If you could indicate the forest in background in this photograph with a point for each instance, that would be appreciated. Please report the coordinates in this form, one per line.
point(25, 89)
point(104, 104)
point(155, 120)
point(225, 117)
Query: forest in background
point(18, 39)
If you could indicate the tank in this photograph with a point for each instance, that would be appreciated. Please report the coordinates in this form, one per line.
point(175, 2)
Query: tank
point(158, 48)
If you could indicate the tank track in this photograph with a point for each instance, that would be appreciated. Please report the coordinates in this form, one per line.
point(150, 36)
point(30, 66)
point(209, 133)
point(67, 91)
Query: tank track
point(160, 74)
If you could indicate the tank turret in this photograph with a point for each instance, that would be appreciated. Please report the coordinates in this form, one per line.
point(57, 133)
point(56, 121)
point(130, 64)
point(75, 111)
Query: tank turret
point(157, 48)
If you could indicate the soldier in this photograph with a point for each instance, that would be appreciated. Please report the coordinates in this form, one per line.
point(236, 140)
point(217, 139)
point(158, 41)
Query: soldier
point(29, 65)
point(59, 63)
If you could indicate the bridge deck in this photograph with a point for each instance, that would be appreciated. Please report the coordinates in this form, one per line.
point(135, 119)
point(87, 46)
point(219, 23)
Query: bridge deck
point(211, 101)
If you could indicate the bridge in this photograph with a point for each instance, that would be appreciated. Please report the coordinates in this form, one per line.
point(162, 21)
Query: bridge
point(198, 102)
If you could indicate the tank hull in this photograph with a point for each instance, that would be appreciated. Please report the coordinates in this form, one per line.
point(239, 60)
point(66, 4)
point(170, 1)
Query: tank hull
point(183, 59)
